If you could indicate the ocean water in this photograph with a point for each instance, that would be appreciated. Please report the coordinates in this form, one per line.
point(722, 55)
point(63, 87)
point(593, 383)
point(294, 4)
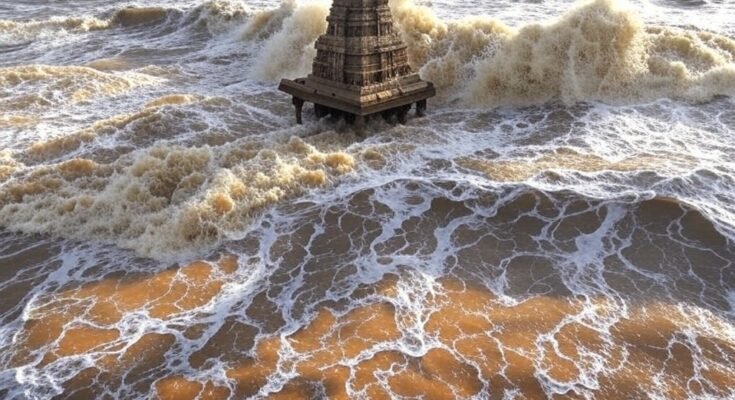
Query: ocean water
point(560, 225)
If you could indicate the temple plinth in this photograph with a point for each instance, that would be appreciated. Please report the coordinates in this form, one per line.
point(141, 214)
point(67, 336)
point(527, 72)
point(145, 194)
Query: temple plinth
point(361, 67)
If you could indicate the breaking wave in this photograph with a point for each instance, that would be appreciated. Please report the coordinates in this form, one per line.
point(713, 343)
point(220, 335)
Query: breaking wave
point(166, 200)
point(598, 51)
point(30, 86)
point(216, 16)
point(290, 32)
point(16, 32)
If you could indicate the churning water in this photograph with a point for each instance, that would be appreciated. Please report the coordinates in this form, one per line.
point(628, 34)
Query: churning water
point(561, 224)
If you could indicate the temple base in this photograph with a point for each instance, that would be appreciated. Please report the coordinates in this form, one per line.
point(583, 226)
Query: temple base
point(354, 105)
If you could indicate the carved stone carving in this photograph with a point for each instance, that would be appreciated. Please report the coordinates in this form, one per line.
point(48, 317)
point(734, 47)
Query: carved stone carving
point(361, 67)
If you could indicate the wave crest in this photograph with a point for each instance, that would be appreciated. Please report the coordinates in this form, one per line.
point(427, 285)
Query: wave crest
point(15, 32)
point(289, 51)
point(600, 50)
point(167, 200)
point(48, 85)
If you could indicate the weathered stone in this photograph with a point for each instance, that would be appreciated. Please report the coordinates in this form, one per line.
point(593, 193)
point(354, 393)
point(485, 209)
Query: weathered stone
point(361, 67)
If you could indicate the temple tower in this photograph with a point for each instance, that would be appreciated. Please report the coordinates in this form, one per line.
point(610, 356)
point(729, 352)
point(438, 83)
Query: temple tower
point(361, 67)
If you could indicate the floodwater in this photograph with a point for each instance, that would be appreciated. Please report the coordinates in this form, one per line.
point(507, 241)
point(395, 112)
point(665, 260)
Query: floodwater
point(561, 224)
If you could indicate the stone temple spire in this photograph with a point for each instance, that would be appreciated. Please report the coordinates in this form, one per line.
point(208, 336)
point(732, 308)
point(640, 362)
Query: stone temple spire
point(361, 67)
point(360, 47)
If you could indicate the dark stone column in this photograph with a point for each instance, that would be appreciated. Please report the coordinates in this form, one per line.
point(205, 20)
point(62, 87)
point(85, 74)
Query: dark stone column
point(359, 125)
point(299, 104)
point(421, 108)
point(402, 114)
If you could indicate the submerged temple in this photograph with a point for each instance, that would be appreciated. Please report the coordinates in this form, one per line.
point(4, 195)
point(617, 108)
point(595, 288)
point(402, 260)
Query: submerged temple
point(361, 67)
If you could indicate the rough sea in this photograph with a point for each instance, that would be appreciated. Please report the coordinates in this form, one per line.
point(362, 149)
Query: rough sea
point(560, 225)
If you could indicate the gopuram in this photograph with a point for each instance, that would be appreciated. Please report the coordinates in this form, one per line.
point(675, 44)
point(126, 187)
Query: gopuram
point(361, 68)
